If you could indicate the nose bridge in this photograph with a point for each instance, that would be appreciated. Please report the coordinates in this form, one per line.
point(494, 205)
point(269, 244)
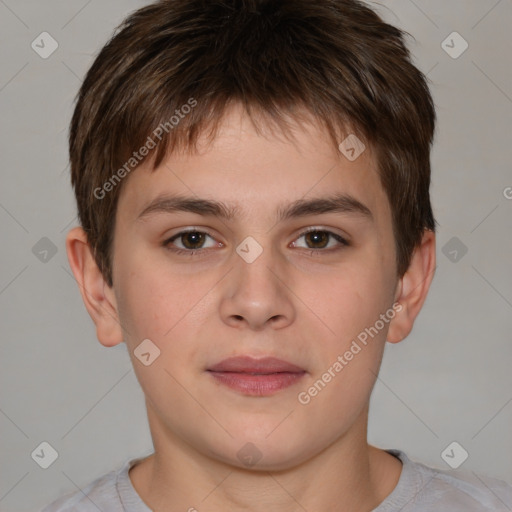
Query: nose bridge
point(256, 293)
point(256, 267)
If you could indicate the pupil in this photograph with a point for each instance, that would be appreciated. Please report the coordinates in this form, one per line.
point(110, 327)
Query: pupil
point(318, 236)
point(196, 238)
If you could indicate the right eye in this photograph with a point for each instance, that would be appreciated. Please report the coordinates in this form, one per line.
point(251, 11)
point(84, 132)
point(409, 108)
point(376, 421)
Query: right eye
point(192, 241)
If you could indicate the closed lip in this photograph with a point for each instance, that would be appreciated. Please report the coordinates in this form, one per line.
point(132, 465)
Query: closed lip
point(249, 364)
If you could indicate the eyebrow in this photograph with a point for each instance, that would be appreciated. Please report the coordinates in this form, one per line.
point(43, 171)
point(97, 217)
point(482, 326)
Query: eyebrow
point(338, 203)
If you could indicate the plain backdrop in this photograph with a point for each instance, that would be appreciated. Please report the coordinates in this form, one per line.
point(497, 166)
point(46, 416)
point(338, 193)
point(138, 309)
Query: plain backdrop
point(450, 380)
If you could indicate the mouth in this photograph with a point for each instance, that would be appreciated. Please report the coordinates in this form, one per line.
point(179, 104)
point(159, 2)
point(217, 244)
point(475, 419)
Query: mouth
point(256, 377)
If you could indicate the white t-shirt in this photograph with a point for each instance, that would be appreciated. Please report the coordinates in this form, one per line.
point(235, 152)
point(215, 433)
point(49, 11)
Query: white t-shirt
point(419, 489)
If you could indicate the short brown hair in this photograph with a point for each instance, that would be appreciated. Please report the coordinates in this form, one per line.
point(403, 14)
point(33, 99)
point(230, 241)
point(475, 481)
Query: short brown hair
point(335, 59)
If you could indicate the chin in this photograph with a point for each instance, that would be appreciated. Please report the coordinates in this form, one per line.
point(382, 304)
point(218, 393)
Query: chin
point(263, 453)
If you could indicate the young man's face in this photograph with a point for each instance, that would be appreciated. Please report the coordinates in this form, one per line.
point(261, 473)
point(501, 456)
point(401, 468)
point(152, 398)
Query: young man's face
point(287, 302)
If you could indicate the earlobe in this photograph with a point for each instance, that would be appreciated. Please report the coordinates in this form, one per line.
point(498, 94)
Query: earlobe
point(98, 297)
point(413, 287)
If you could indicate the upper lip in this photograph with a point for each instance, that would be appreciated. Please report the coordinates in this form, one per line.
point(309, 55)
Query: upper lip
point(248, 364)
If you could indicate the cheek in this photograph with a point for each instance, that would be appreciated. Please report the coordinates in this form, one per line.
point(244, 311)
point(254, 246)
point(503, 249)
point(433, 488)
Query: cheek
point(163, 308)
point(350, 358)
point(155, 303)
point(350, 299)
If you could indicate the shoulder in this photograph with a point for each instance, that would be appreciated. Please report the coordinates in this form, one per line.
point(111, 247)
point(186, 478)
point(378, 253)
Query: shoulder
point(470, 491)
point(100, 494)
point(456, 490)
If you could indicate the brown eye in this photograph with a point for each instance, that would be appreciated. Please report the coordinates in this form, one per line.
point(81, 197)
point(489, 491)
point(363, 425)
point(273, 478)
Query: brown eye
point(318, 239)
point(321, 240)
point(192, 239)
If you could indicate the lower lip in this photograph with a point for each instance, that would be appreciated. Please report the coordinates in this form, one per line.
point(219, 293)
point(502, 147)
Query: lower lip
point(257, 385)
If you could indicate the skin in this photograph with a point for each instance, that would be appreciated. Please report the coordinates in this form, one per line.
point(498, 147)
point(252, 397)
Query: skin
point(289, 303)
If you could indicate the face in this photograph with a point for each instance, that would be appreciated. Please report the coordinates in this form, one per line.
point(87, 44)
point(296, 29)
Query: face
point(256, 284)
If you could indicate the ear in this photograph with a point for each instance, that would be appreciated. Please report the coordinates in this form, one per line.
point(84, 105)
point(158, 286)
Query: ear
point(98, 297)
point(412, 288)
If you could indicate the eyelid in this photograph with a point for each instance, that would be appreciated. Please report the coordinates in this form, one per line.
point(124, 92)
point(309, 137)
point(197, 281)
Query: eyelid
point(191, 229)
point(324, 229)
point(341, 239)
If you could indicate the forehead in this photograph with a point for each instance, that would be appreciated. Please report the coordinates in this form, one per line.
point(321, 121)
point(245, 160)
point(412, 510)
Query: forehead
point(259, 171)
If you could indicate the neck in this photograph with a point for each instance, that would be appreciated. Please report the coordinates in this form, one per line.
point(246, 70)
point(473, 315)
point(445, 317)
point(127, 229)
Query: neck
point(350, 474)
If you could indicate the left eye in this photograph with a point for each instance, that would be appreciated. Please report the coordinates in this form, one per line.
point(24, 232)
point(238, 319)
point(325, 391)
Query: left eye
point(319, 239)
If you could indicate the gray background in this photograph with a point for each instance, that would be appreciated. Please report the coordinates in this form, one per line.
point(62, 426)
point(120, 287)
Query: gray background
point(449, 381)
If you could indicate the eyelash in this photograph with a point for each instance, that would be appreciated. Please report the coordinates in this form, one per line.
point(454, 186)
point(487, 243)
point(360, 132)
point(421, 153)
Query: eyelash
point(191, 252)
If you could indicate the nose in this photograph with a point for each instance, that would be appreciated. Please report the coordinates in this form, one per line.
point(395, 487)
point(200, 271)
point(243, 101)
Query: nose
point(258, 295)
